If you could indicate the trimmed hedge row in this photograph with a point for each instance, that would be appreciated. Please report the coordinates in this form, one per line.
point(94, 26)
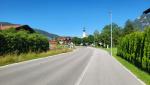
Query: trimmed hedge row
point(22, 42)
point(135, 48)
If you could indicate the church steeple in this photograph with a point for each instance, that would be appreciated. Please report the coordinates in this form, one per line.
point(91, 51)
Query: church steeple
point(84, 33)
point(84, 29)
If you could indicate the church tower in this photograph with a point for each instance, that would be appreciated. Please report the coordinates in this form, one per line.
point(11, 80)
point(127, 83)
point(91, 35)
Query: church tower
point(84, 33)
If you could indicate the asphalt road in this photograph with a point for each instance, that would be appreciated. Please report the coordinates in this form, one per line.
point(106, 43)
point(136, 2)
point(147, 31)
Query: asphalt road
point(84, 66)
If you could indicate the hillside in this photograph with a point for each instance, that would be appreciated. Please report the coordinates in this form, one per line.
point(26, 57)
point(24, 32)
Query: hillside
point(49, 35)
point(6, 23)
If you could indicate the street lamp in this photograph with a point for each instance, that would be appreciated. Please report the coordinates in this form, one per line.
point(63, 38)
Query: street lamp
point(111, 29)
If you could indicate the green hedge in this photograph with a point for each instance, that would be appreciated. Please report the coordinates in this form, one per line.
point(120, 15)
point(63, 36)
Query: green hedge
point(135, 48)
point(12, 41)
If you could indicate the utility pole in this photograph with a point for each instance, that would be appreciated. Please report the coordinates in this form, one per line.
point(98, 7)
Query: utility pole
point(111, 29)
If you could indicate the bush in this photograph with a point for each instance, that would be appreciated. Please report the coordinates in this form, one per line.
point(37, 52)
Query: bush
point(135, 48)
point(12, 41)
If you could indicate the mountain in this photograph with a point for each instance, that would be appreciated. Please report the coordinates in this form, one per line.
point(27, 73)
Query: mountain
point(7, 23)
point(142, 21)
point(49, 35)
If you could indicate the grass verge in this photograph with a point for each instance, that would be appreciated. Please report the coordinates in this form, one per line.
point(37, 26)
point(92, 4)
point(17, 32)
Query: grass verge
point(144, 76)
point(13, 58)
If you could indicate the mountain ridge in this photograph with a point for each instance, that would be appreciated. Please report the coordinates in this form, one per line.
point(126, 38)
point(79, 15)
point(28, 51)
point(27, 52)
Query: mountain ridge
point(142, 21)
point(47, 34)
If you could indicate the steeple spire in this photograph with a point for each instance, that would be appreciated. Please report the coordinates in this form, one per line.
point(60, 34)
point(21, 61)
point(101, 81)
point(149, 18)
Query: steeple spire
point(84, 29)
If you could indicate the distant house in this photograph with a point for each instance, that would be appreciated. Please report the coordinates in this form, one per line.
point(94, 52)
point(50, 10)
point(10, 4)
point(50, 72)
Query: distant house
point(64, 40)
point(52, 44)
point(60, 40)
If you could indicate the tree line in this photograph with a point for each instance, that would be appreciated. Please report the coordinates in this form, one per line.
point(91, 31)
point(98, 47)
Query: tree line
point(102, 38)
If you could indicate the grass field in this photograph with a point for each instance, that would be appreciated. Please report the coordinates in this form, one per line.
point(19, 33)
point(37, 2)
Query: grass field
point(13, 58)
point(144, 76)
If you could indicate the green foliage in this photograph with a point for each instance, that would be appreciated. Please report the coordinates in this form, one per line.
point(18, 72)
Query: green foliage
point(96, 37)
point(13, 58)
point(135, 48)
point(90, 39)
point(106, 34)
point(87, 40)
point(12, 41)
point(129, 27)
point(76, 40)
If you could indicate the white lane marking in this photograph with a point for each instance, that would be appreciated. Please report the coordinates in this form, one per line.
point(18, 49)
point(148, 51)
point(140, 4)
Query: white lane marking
point(27, 61)
point(84, 72)
point(128, 71)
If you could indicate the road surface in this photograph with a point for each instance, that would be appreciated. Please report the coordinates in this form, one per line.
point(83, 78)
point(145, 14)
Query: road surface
point(84, 66)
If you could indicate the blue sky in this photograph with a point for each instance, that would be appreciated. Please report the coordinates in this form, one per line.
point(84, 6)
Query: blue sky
point(68, 17)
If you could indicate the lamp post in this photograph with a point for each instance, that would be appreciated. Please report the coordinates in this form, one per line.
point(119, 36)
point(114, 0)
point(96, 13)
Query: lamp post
point(111, 29)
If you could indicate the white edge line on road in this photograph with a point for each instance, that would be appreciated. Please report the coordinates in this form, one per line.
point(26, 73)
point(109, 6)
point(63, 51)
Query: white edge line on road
point(27, 61)
point(83, 72)
point(129, 71)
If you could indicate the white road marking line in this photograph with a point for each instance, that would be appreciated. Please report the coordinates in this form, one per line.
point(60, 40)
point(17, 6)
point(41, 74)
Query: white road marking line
point(84, 72)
